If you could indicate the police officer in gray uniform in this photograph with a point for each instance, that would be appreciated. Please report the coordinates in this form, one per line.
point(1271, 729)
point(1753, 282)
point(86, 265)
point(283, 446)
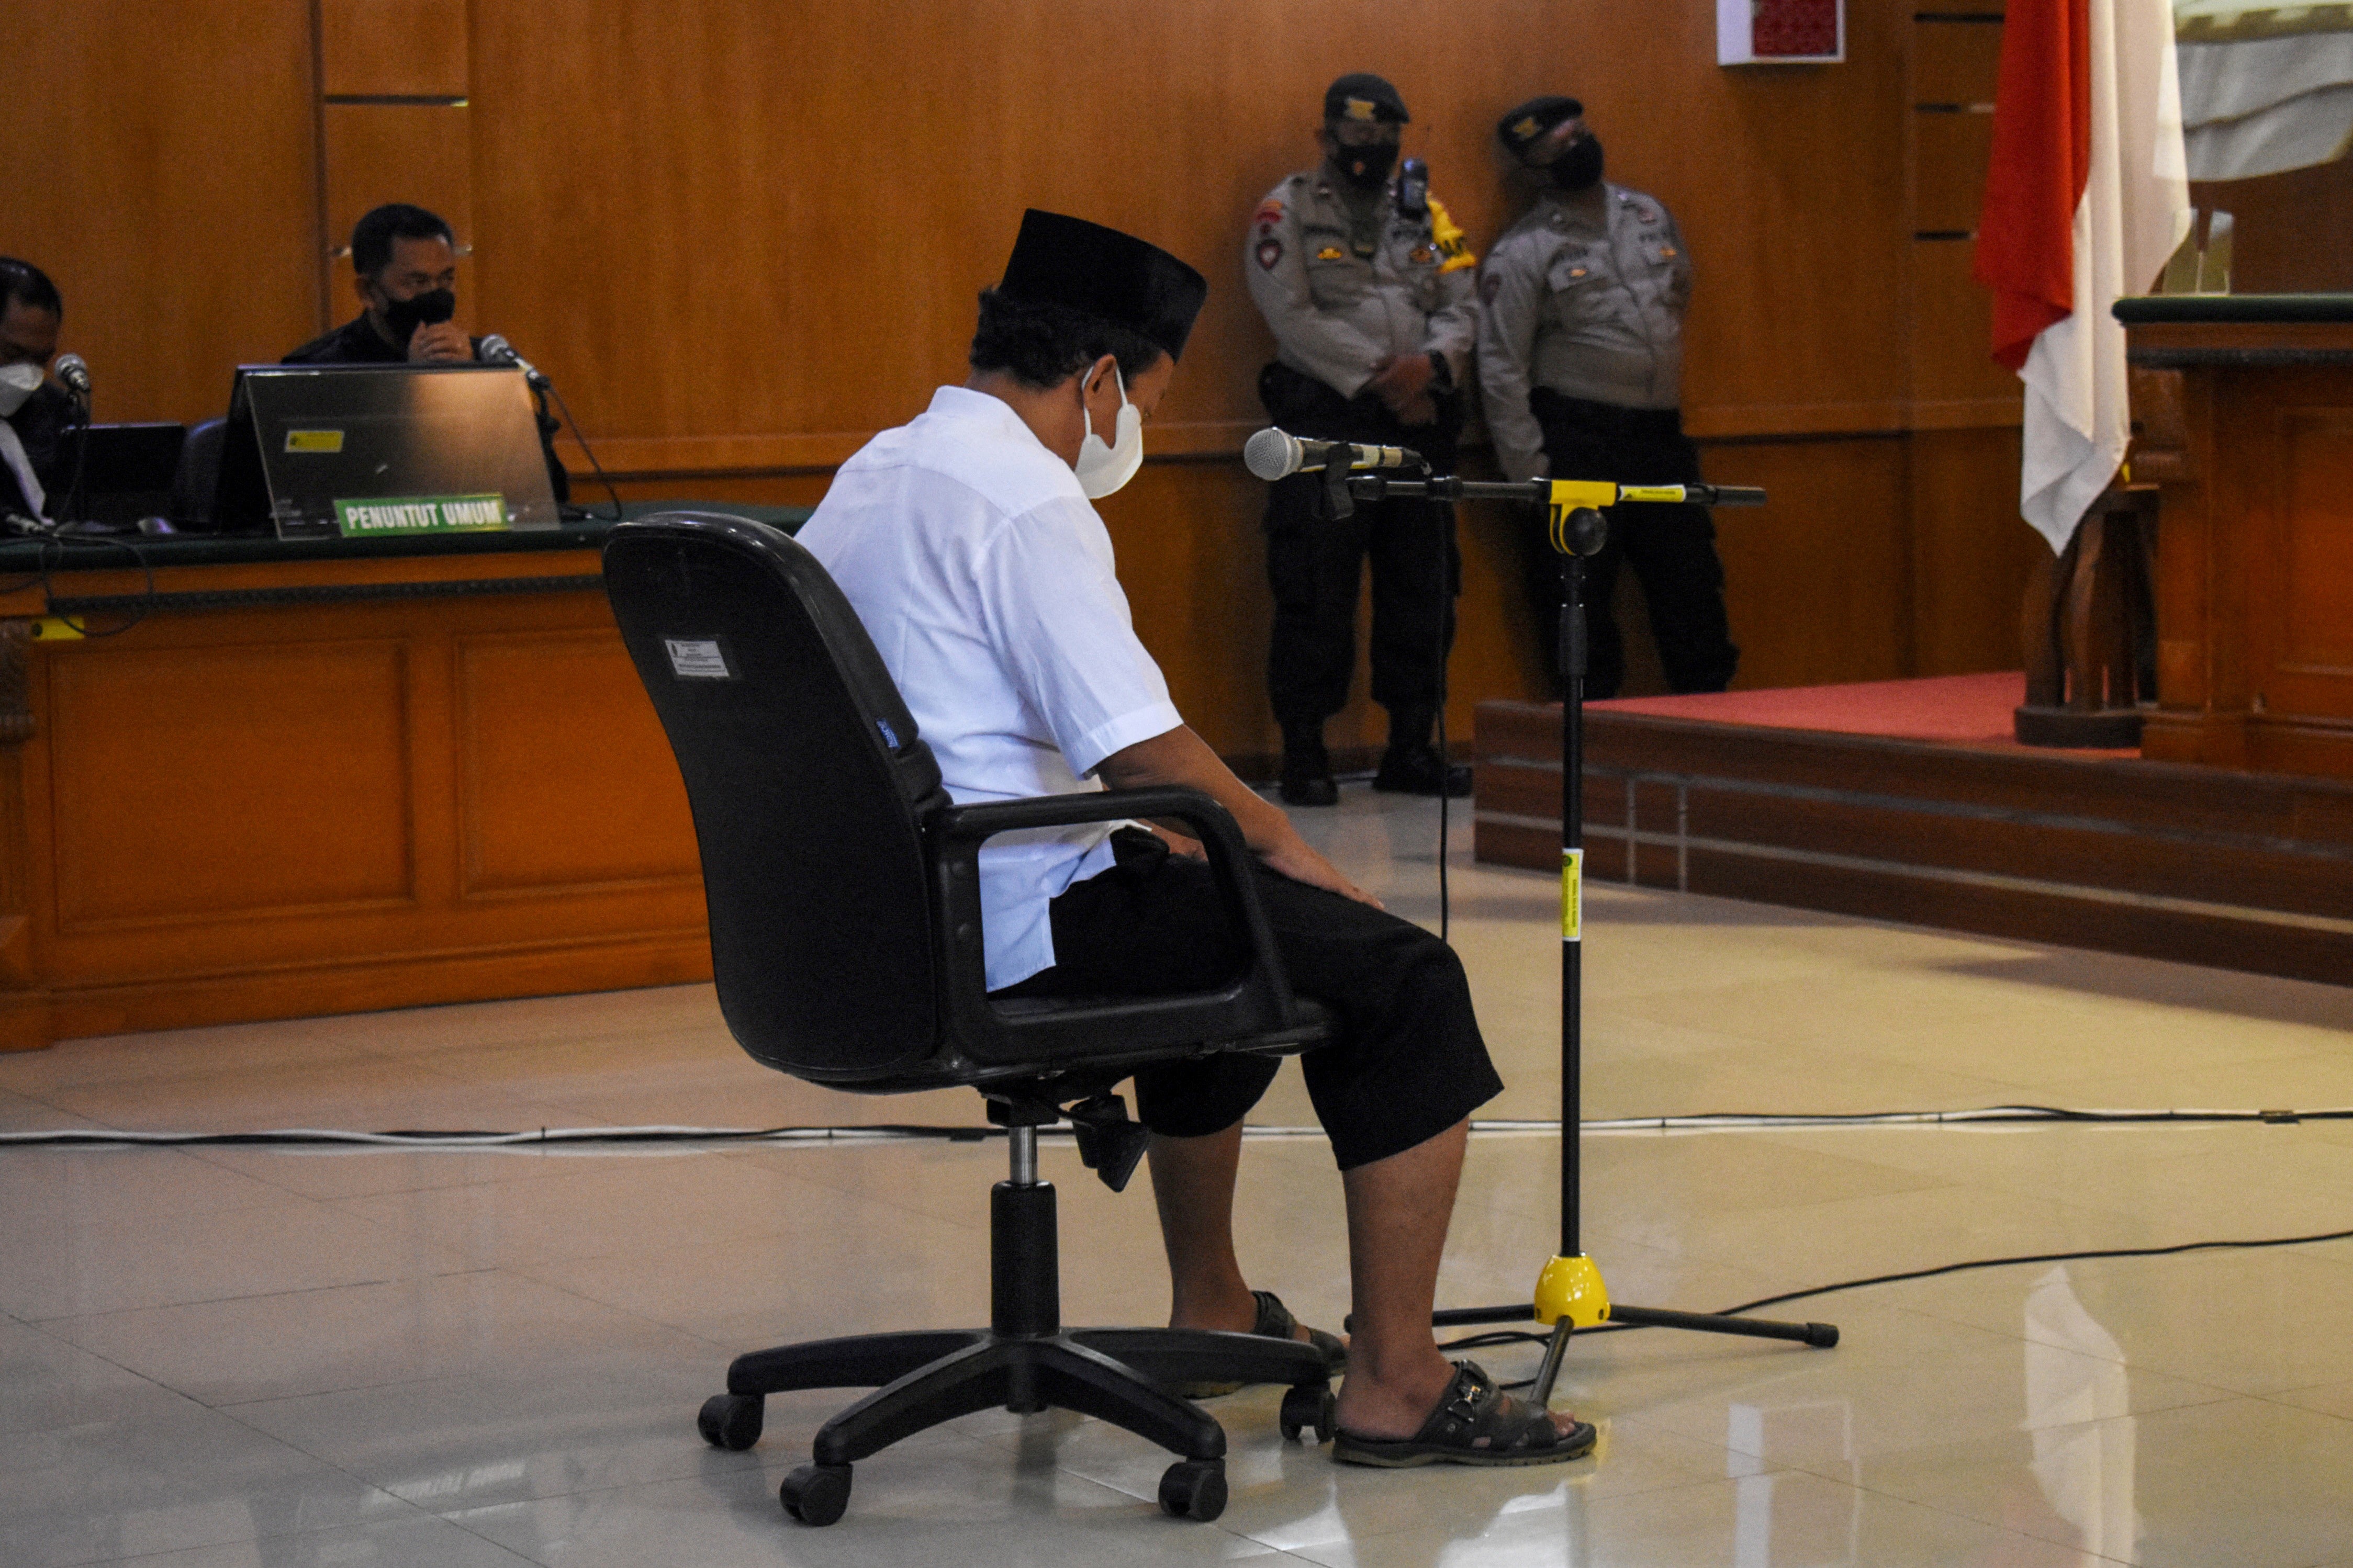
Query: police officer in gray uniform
point(1581, 357)
point(1368, 289)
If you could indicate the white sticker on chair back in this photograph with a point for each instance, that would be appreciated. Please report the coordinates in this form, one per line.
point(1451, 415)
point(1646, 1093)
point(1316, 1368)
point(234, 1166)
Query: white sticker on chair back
point(698, 658)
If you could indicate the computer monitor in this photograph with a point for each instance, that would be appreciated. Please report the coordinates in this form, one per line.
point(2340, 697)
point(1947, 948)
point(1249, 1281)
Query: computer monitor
point(110, 475)
point(318, 452)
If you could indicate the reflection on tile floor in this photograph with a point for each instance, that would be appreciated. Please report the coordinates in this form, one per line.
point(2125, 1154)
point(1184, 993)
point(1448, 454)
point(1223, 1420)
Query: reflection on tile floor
point(220, 1358)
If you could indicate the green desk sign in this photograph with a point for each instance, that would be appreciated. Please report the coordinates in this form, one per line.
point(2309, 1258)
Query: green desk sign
point(420, 514)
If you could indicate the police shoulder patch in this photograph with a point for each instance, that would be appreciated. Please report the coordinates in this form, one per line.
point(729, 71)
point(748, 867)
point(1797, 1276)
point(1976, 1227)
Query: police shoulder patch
point(1270, 251)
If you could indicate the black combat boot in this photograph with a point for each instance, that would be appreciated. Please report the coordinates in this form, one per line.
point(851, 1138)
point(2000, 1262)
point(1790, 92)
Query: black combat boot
point(1306, 769)
point(1411, 765)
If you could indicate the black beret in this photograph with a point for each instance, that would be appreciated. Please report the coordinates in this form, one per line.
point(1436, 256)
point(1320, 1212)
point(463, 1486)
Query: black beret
point(1533, 119)
point(1116, 276)
point(1364, 96)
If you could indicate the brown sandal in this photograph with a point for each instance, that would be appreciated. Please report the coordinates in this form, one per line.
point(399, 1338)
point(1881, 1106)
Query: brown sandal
point(1475, 1423)
point(1274, 1323)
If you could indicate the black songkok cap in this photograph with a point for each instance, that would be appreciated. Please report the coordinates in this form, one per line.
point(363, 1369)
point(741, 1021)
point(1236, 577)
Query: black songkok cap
point(1364, 96)
point(1531, 120)
point(1116, 276)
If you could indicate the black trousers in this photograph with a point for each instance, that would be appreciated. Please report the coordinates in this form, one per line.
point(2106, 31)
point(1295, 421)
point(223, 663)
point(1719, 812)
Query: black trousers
point(1407, 1062)
point(1315, 564)
point(1671, 548)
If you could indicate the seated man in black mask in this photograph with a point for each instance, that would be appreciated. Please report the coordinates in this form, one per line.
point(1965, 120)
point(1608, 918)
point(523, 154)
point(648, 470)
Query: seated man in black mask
point(967, 541)
point(405, 260)
point(34, 410)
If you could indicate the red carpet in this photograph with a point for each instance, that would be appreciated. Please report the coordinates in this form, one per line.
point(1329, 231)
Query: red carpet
point(1966, 710)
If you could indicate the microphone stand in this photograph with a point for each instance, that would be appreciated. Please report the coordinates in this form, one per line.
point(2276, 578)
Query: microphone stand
point(1569, 1293)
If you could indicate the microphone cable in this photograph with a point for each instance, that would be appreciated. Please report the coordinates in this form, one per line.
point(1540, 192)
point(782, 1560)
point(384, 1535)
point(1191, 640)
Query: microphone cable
point(581, 437)
point(1710, 1122)
point(1495, 1337)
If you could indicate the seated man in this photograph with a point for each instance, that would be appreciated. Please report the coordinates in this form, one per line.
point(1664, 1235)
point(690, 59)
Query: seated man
point(967, 544)
point(34, 411)
point(404, 261)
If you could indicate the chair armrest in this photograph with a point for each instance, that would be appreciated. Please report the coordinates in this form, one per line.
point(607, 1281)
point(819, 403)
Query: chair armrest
point(1187, 805)
point(1259, 1001)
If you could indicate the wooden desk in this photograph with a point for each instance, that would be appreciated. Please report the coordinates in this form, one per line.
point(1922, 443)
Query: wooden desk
point(328, 777)
point(2253, 447)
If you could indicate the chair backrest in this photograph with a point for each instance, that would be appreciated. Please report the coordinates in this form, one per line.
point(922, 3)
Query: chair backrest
point(198, 474)
point(810, 787)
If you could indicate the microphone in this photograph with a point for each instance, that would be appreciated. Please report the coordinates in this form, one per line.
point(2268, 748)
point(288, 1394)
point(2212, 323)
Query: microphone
point(1274, 454)
point(73, 375)
point(496, 349)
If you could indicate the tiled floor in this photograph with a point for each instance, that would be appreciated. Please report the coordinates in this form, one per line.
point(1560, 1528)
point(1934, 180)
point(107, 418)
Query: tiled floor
point(224, 1357)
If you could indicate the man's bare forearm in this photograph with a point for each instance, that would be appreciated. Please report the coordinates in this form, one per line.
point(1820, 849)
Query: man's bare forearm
point(1182, 757)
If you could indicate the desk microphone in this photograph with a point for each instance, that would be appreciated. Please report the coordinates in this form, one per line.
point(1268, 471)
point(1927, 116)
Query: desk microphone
point(73, 375)
point(1274, 454)
point(496, 349)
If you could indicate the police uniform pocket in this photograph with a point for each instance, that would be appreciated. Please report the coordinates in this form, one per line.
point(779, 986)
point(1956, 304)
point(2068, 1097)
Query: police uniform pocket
point(1335, 277)
point(1578, 281)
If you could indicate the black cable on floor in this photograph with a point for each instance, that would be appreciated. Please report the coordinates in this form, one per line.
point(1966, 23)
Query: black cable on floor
point(1521, 1336)
point(1713, 1122)
point(2028, 1258)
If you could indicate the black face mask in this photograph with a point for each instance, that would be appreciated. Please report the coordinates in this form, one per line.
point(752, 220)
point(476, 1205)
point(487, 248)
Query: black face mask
point(1367, 168)
point(1577, 168)
point(429, 309)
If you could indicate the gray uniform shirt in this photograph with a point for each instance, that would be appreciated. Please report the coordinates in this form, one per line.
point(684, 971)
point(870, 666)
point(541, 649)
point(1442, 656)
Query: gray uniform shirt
point(1343, 292)
point(1586, 297)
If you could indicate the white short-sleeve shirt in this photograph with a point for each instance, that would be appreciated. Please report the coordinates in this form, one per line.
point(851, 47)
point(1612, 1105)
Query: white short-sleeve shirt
point(985, 580)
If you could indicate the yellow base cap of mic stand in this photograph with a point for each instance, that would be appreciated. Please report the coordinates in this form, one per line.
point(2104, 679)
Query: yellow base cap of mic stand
point(1571, 1288)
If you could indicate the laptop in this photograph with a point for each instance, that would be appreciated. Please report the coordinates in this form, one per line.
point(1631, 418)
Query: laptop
point(380, 451)
point(110, 475)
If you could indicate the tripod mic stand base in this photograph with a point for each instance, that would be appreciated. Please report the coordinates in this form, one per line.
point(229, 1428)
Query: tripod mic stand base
point(1570, 1296)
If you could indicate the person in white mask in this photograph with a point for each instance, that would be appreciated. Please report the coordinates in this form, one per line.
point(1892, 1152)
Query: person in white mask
point(34, 411)
point(967, 543)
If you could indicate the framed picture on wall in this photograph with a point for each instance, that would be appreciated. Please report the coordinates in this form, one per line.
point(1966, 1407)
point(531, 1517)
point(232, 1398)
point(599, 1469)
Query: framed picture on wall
point(1780, 32)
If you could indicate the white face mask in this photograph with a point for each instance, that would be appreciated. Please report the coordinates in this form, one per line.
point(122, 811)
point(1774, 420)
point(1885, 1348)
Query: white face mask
point(21, 380)
point(1102, 469)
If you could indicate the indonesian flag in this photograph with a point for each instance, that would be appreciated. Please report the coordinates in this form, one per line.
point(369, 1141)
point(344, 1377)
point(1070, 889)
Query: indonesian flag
point(2085, 198)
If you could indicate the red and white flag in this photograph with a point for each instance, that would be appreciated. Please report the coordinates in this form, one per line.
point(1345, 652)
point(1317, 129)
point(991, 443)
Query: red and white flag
point(2085, 198)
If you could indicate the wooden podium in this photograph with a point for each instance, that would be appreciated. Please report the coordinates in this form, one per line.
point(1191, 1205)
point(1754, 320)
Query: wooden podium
point(2254, 558)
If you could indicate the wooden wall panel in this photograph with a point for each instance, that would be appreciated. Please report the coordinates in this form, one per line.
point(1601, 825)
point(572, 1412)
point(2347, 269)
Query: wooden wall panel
point(1948, 180)
point(553, 729)
point(1954, 59)
point(1818, 581)
point(166, 178)
point(379, 152)
point(806, 247)
point(1971, 552)
point(412, 48)
point(1955, 381)
point(228, 781)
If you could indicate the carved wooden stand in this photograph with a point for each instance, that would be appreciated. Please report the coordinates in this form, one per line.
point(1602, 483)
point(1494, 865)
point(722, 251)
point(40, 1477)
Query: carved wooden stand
point(2090, 628)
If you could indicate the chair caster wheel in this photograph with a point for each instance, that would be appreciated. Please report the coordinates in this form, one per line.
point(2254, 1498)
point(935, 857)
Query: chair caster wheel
point(1309, 1406)
point(1194, 1488)
point(818, 1494)
point(729, 1421)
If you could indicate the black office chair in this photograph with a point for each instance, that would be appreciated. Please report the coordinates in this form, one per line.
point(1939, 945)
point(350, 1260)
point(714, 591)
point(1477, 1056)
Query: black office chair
point(198, 475)
point(844, 894)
